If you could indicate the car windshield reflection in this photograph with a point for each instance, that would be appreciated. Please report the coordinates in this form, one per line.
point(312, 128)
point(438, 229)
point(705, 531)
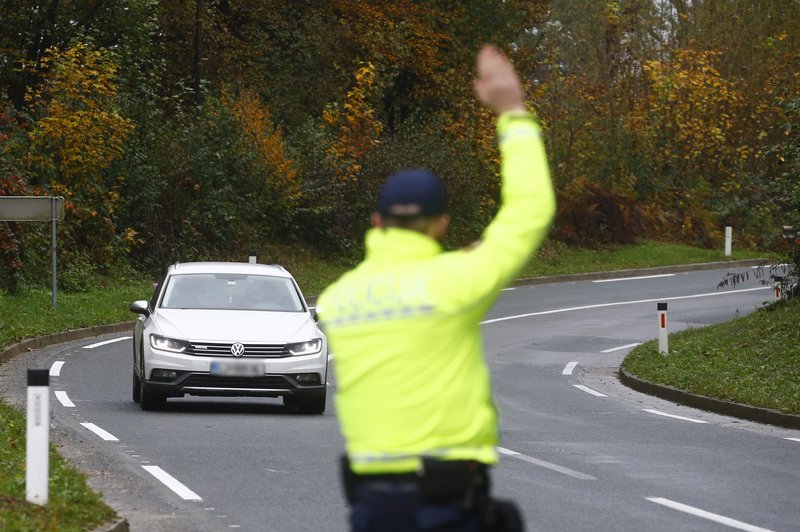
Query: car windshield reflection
point(207, 291)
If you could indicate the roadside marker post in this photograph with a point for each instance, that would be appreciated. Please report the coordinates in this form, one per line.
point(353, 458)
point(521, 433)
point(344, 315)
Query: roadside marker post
point(728, 240)
point(663, 346)
point(252, 258)
point(37, 443)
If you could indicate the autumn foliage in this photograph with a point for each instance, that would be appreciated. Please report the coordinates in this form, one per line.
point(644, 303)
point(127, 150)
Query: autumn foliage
point(198, 130)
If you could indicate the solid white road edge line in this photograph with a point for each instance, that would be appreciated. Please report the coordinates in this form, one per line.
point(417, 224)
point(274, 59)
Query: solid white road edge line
point(794, 439)
point(107, 342)
point(626, 346)
point(660, 413)
point(547, 465)
point(733, 523)
point(568, 368)
point(589, 390)
point(172, 483)
point(107, 436)
point(55, 369)
point(634, 278)
point(63, 398)
point(601, 305)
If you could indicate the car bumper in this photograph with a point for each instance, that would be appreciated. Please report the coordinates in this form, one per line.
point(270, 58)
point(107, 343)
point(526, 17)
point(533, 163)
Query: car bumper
point(281, 376)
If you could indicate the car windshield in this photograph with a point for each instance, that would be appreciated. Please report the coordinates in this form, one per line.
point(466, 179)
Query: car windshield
point(231, 292)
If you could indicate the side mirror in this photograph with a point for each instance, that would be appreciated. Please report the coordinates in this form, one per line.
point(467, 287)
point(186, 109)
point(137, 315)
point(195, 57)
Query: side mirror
point(313, 311)
point(140, 307)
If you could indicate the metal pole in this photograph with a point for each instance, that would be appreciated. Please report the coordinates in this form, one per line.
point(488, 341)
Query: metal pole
point(663, 346)
point(53, 215)
point(37, 443)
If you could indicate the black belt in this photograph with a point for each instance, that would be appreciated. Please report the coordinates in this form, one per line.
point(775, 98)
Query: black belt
point(439, 482)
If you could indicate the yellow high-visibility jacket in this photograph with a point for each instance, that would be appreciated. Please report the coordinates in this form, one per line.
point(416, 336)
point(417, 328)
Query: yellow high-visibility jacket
point(404, 324)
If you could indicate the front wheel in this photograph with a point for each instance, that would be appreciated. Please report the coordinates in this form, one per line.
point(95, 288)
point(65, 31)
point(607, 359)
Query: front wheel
point(307, 405)
point(136, 391)
point(150, 400)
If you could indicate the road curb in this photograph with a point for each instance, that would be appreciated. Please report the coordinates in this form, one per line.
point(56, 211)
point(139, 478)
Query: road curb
point(719, 406)
point(120, 525)
point(30, 344)
point(592, 276)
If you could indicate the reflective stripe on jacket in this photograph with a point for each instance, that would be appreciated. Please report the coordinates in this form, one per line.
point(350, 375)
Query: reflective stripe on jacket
point(404, 324)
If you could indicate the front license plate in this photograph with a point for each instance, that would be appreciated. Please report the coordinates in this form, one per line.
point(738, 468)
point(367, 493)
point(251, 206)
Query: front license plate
point(237, 368)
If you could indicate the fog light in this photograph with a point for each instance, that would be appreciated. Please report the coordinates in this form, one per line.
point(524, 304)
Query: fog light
point(164, 374)
point(307, 378)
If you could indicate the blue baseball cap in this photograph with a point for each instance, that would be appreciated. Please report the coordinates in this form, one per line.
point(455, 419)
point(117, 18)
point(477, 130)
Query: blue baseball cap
point(412, 192)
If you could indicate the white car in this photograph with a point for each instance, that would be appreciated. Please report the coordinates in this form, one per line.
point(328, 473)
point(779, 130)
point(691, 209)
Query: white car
point(233, 329)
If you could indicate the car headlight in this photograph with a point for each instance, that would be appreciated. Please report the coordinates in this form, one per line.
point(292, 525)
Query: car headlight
point(305, 348)
point(163, 343)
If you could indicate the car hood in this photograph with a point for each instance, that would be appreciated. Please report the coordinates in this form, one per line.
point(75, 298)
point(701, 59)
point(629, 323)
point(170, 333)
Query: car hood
point(235, 325)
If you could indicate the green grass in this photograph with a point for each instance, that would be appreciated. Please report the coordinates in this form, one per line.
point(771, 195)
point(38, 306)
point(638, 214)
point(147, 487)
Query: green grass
point(31, 313)
point(754, 360)
point(555, 258)
point(71, 504)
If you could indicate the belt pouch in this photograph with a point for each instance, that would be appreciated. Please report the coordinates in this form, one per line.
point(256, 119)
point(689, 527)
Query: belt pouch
point(449, 481)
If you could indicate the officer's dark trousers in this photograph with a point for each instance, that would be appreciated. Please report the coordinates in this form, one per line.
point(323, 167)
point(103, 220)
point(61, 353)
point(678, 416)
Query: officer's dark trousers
point(398, 507)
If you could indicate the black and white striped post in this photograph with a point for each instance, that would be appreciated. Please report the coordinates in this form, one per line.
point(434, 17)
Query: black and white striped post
point(37, 445)
point(253, 258)
point(663, 346)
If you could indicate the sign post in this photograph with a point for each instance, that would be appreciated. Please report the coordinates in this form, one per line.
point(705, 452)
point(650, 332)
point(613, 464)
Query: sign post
point(35, 209)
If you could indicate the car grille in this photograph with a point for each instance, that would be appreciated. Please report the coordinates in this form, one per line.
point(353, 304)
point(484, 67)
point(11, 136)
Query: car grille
point(250, 350)
point(210, 381)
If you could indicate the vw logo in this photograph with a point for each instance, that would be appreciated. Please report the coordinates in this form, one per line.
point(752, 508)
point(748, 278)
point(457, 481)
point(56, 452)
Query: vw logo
point(237, 349)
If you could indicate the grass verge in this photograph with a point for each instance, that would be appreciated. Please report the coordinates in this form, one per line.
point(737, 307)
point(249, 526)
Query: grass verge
point(754, 360)
point(72, 505)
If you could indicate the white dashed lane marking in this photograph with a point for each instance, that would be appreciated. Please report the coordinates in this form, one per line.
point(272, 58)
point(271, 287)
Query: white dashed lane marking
point(172, 483)
point(626, 346)
point(55, 369)
point(107, 436)
point(568, 368)
point(63, 398)
point(721, 519)
point(619, 303)
point(98, 344)
point(634, 278)
point(547, 465)
point(589, 390)
point(673, 416)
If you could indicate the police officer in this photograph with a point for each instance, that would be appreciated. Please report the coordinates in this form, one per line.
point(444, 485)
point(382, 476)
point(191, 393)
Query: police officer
point(413, 393)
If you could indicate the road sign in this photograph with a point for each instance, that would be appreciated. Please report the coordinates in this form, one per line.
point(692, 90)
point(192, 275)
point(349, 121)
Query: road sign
point(30, 208)
point(35, 209)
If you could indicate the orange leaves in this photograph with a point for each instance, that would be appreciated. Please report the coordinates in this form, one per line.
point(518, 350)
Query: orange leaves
point(267, 140)
point(356, 129)
point(689, 111)
point(80, 131)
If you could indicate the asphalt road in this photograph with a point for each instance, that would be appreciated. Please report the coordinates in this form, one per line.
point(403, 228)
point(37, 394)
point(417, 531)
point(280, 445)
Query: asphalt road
point(580, 452)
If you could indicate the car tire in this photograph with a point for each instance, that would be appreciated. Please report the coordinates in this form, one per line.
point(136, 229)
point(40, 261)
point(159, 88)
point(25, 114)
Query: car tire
point(307, 405)
point(136, 391)
point(150, 400)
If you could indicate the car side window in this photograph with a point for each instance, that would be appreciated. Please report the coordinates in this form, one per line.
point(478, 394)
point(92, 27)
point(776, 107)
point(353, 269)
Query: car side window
point(154, 299)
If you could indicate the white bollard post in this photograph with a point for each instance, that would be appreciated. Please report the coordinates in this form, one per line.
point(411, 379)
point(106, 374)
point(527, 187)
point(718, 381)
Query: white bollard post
point(252, 256)
point(728, 239)
point(663, 346)
point(37, 449)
